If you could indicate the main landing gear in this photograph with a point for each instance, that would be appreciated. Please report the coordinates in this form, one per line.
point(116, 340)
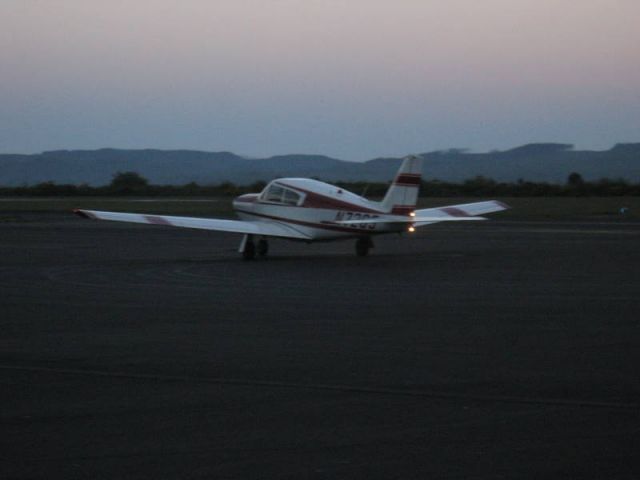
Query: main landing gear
point(263, 247)
point(249, 249)
point(363, 244)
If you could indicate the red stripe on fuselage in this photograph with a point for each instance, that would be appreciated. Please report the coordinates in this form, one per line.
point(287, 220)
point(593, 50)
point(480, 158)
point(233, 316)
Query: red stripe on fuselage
point(323, 226)
point(247, 198)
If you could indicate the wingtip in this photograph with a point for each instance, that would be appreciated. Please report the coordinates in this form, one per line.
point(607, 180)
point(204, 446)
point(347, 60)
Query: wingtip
point(81, 213)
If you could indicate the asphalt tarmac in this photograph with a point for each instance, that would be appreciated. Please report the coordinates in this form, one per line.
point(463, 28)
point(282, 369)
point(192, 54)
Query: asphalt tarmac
point(492, 350)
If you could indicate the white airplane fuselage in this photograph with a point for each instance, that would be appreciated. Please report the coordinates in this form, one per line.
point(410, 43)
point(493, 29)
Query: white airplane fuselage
point(314, 209)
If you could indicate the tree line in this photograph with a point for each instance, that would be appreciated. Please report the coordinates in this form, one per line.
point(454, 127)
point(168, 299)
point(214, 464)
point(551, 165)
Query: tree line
point(134, 184)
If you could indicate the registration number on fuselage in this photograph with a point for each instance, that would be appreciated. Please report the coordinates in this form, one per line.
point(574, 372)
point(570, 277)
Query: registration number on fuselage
point(343, 216)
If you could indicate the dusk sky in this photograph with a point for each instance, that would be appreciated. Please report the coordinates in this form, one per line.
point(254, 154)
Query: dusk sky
point(354, 79)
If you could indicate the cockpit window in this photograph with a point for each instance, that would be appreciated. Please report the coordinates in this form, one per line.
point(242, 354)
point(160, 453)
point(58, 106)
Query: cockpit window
point(277, 194)
point(291, 197)
point(274, 194)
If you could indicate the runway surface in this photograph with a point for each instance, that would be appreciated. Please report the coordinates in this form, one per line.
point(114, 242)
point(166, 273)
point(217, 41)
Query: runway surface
point(493, 350)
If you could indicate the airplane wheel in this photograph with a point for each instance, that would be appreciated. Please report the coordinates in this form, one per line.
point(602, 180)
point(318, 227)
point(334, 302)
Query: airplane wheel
point(263, 247)
point(249, 252)
point(362, 246)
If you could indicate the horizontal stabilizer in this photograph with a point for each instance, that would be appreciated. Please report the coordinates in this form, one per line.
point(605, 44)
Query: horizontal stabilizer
point(464, 210)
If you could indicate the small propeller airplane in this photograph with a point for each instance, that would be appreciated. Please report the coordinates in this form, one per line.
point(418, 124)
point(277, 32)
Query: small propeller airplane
point(309, 210)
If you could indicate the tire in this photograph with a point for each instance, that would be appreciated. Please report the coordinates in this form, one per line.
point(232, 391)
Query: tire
point(362, 247)
point(263, 248)
point(249, 252)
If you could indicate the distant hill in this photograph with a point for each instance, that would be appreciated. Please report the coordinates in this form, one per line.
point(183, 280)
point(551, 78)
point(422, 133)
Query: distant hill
point(548, 162)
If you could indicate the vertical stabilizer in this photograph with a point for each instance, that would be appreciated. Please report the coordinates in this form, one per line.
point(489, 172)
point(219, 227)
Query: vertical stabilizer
point(402, 195)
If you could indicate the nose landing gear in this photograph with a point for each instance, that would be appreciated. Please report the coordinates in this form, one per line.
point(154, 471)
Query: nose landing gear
point(363, 244)
point(247, 248)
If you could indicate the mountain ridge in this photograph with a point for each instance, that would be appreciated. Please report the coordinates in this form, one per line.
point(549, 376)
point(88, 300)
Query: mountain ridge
point(540, 162)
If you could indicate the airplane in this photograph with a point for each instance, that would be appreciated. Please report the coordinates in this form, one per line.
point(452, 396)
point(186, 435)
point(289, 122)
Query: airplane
point(310, 210)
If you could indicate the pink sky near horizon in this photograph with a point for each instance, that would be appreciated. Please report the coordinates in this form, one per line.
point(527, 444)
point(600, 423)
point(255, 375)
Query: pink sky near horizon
point(352, 79)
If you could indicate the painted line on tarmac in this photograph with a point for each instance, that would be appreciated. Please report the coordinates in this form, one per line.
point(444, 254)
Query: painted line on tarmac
point(332, 388)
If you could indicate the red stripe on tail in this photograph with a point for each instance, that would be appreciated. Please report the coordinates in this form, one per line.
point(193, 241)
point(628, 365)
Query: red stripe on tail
point(402, 209)
point(408, 179)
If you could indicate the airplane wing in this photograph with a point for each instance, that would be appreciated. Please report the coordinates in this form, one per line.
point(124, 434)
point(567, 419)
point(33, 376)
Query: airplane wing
point(259, 227)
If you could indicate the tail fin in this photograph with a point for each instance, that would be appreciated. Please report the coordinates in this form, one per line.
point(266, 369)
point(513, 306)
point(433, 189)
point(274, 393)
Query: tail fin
point(402, 195)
